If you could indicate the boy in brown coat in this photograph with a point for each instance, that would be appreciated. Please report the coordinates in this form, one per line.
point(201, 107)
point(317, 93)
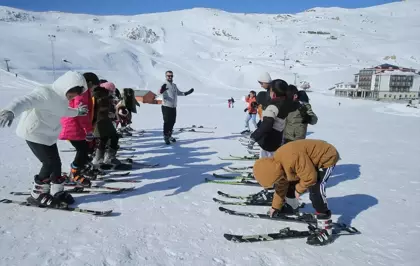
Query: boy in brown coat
point(296, 167)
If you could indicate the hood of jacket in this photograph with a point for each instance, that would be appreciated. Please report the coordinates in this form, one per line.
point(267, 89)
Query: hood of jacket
point(267, 171)
point(67, 81)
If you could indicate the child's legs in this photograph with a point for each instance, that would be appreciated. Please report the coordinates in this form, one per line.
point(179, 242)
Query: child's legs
point(254, 120)
point(82, 153)
point(50, 159)
point(247, 118)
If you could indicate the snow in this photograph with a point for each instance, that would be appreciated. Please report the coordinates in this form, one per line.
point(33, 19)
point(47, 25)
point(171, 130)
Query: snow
point(170, 218)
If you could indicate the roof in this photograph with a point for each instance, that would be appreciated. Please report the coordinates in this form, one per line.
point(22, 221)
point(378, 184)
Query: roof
point(141, 93)
point(397, 73)
point(387, 66)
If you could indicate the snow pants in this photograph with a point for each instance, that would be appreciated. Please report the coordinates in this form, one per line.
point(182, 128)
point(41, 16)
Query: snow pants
point(82, 153)
point(169, 119)
point(50, 159)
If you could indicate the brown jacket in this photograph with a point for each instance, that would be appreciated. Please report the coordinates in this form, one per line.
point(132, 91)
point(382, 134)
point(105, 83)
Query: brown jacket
point(295, 161)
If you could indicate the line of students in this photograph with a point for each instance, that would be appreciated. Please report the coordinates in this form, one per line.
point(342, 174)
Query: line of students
point(288, 161)
point(78, 108)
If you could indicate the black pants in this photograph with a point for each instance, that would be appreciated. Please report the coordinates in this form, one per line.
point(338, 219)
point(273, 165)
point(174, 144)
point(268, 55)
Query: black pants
point(50, 159)
point(169, 119)
point(82, 153)
point(317, 193)
point(112, 142)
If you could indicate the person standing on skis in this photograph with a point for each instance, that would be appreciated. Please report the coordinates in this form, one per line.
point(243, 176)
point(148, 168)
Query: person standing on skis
point(79, 131)
point(170, 93)
point(103, 117)
point(41, 111)
point(269, 135)
point(296, 167)
point(251, 111)
point(298, 120)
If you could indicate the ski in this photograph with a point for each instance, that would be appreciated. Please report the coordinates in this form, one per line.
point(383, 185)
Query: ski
point(119, 167)
point(246, 177)
point(112, 180)
point(239, 158)
point(236, 182)
point(79, 190)
point(242, 171)
point(243, 203)
point(93, 187)
point(300, 217)
point(66, 208)
point(286, 233)
point(194, 131)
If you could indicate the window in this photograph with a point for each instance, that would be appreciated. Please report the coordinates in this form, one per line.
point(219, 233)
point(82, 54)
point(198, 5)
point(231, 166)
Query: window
point(384, 95)
point(406, 96)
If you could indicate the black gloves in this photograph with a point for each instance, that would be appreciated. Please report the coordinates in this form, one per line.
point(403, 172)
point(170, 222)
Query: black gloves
point(246, 109)
point(163, 88)
point(189, 92)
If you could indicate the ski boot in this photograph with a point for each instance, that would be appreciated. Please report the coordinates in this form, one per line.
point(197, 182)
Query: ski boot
point(286, 209)
point(99, 157)
point(129, 128)
point(167, 140)
point(110, 157)
point(171, 139)
point(77, 177)
point(322, 234)
point(50, 195)
point(91, 172)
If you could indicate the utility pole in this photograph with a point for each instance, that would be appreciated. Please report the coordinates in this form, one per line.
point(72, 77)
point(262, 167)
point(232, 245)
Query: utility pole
point(7, 64)
point(284, 59)
point(295, 77)
point(52, 39)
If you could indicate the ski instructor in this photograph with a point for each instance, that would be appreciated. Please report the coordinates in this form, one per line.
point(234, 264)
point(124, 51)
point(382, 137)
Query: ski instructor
point(170, 93)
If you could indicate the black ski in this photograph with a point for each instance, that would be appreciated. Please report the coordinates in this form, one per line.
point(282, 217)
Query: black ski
point(286, 233)
point(243, 203)
point(66, 208)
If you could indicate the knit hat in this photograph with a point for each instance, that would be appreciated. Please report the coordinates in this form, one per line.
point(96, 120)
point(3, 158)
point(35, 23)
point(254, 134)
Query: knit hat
point(109, 86)
point(91, 77)
point(265, 78)
point(267, 171)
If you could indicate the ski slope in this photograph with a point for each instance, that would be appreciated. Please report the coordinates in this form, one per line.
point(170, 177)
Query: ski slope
point(170, 218)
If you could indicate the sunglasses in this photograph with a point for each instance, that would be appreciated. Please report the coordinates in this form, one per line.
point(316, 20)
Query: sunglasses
point(170, 76)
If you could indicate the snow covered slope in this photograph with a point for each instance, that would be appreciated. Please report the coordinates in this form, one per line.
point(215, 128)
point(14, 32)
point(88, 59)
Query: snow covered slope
point(210, 48)
point(170, 218)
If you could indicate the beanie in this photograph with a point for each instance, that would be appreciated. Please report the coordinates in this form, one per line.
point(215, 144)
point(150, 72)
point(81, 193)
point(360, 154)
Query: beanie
point(91, 77)
point(265, 78)
point(109, 86)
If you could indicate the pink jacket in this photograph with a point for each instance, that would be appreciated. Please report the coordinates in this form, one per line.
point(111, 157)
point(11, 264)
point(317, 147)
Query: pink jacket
point(76, 128)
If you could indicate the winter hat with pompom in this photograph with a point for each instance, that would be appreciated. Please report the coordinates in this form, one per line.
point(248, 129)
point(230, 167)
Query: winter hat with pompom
point(109, 86)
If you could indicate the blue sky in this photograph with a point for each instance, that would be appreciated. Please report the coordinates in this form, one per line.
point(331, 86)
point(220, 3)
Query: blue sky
point(130, 7)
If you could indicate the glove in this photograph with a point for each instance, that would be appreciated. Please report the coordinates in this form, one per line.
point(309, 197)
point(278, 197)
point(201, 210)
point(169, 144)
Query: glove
point(6, 117)
point(82, 110)
point(89, 137)
point(189, 92)
point(163, 88)
point(246, 109)
point(251, 144)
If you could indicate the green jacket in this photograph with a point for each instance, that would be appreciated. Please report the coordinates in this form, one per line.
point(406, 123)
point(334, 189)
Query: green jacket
point(297, 122)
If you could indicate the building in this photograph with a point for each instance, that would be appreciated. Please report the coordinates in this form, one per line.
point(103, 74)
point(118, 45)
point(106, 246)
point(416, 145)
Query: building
point(146, 96)
point(383, 82)
point(345, 89)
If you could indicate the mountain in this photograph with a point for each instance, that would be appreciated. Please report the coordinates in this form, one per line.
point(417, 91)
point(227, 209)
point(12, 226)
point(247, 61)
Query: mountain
point(213, 49)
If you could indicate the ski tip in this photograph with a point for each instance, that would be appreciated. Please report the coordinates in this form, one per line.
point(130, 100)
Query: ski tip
point(223, 209)
point(228, 236)
point(103, 213)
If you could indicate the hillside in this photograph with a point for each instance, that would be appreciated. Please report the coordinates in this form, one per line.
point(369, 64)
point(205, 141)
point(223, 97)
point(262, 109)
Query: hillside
point(212, 49)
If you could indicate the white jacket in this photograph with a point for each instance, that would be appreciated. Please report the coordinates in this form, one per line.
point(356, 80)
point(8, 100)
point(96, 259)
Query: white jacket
point(43, 108)
point(170, 96)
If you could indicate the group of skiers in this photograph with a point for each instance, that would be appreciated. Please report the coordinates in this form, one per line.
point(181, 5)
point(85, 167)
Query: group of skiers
point(288, 162)
point(81, 109)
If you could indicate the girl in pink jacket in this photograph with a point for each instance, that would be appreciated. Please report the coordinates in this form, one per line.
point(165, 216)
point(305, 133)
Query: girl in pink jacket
point(78, 130)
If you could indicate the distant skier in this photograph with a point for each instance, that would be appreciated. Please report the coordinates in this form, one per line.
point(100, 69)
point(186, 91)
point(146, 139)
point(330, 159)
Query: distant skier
point(251, 112)
point(170, 93)
point(297, 121)
point(269, 134)
point(41, 111)
point(232, 101)
point(339, 103)
point(296, 167)
point(229, 103)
